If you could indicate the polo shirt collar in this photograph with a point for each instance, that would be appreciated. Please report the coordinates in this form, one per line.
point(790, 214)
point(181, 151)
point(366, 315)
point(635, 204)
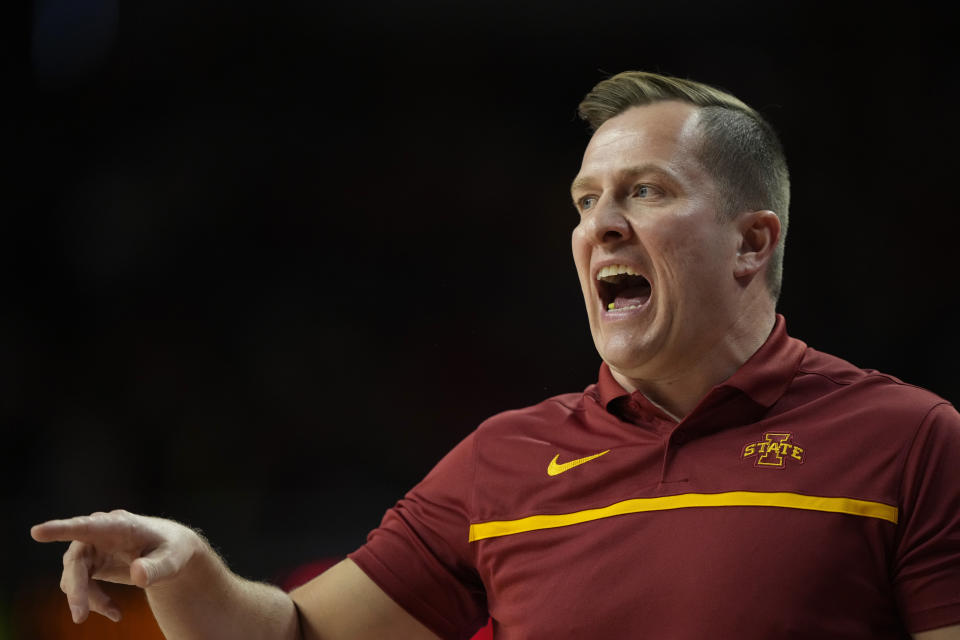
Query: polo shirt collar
point(761, 381)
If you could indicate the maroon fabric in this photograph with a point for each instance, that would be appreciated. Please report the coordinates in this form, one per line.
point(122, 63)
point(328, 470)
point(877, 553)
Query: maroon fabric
point(744, 572)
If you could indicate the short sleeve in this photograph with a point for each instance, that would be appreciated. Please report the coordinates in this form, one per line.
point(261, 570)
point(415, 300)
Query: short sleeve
point(420, 554)
point(927, 565)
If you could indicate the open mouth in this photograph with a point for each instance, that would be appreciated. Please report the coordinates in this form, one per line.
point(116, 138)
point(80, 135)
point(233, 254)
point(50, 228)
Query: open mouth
point(621, 288)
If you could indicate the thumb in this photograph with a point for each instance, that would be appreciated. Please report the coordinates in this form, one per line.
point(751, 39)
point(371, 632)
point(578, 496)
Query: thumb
point(154, 567)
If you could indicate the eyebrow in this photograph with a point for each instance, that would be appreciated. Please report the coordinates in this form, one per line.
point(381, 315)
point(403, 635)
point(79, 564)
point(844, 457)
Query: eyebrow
point(583, 182)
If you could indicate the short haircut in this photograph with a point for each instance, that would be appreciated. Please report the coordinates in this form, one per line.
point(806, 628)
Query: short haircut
point(737, 146)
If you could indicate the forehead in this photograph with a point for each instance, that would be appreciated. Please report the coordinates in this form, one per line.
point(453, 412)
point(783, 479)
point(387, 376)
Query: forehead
point(663, 134)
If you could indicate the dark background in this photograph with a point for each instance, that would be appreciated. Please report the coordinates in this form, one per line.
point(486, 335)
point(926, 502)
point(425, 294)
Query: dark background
point(264, 263)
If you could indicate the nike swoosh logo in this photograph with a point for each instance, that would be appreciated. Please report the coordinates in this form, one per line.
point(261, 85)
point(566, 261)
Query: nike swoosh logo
point(555, 469)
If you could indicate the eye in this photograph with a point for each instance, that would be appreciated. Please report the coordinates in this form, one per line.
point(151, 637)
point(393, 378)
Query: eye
point(586, 202)
point(644, 191)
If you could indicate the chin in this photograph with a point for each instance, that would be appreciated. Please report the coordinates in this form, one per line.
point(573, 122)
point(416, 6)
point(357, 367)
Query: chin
point(625, 356)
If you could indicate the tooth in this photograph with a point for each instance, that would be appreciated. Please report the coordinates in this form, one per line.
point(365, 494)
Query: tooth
point(612, 270)
point(610, 306)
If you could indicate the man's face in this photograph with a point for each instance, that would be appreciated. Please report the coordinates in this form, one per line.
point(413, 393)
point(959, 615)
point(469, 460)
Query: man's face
point(647, 207)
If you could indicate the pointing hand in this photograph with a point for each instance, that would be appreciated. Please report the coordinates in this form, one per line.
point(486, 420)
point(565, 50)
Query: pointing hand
point(116, 547)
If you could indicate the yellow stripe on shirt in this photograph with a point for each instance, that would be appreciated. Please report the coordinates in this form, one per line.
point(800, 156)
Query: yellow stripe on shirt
point(849, 506)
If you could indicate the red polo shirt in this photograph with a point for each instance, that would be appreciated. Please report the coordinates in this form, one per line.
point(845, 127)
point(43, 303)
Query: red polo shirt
point(802, 498)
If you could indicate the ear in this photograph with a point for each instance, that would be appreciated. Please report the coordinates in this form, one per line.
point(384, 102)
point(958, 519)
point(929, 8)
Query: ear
point(759, 232)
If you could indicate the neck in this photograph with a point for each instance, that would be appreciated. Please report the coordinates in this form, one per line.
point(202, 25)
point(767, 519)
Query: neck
point(679, 390)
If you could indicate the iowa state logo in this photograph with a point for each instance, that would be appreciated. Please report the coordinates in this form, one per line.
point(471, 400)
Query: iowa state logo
point(773, 451)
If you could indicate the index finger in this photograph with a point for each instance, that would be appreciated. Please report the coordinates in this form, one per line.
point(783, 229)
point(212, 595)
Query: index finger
point(82, 528)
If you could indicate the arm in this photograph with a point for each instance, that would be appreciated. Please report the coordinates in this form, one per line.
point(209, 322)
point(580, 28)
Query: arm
point(344, 603)
point(943, 633)
point(195, 596)
point(190, 589)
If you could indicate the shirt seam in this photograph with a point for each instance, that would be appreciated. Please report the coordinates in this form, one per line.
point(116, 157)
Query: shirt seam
point(872, 374)
point(471, 507)
point(909, 451)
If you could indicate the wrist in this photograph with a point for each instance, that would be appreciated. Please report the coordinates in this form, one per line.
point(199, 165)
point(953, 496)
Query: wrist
point(194, 561)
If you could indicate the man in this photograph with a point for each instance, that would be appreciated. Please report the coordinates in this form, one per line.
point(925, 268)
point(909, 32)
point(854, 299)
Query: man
point(721, 479)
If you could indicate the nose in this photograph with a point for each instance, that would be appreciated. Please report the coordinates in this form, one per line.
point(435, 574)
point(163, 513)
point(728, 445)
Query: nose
point(607, 224)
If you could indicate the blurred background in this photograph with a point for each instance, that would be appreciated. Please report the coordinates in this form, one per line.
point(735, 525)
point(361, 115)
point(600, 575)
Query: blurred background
point(265, 263)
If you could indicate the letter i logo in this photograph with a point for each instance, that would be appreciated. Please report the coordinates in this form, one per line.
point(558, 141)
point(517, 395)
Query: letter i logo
point(773, 451)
